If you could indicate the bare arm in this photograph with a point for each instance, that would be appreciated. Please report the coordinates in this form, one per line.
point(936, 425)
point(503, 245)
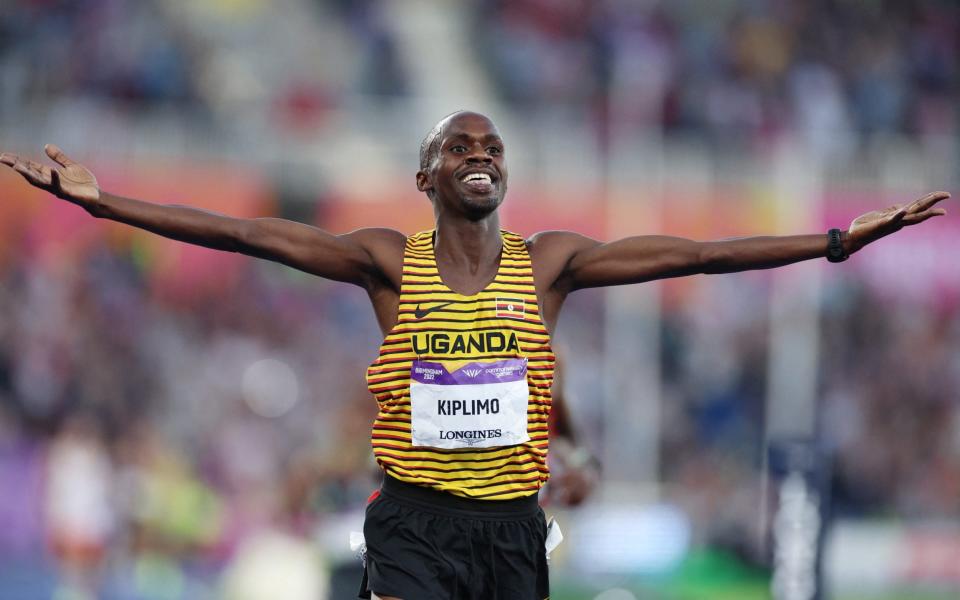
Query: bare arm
point(358, 257)
point(574, 471)
point(344, 257)
point(583, 262)
point(645, 258)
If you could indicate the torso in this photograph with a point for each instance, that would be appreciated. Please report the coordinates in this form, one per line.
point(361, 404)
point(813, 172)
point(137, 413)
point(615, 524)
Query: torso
point(435, 326)
point(548, 260)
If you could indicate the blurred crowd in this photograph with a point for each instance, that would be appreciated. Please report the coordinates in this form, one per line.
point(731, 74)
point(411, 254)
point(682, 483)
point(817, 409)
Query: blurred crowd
point(134, 429)
point(153, 435)
point(210, 60)
point(888, 405)
point(735, 71)
point(139, 428)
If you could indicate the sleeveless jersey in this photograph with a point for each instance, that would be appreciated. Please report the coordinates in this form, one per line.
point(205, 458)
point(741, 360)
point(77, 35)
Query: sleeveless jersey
point(500, 323)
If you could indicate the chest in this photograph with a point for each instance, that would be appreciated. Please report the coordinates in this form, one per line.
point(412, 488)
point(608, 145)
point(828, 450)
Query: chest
point(467, 279)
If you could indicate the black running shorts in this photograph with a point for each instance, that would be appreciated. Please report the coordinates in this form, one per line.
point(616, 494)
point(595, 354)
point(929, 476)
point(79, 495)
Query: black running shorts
point(423, 544)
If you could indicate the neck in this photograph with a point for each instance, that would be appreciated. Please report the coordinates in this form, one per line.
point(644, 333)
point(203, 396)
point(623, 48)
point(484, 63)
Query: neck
point(468, 243)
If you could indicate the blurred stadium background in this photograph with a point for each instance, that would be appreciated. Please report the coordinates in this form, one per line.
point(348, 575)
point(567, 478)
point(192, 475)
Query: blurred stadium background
point(178, 423)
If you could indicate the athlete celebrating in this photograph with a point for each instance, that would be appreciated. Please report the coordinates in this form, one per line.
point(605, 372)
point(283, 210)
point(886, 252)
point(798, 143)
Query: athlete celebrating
point(464, 373)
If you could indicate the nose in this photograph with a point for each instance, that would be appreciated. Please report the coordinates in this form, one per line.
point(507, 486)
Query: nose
point(478, 154)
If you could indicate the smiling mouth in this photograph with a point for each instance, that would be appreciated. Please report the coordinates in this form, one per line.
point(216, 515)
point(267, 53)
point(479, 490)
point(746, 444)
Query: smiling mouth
point(477, 177)
point(478, 182)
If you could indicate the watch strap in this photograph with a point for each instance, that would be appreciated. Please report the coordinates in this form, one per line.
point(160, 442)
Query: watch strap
point(835, 250)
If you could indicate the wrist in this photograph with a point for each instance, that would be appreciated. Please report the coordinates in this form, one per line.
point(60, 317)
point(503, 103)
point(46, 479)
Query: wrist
point(837, 248)
point(578, 457)
point(93, 204)
point(851, 245)
point(847, 242)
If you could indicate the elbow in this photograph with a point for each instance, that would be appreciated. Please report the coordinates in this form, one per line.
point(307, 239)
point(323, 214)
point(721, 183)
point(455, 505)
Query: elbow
point(245, 236)
point(711, 259)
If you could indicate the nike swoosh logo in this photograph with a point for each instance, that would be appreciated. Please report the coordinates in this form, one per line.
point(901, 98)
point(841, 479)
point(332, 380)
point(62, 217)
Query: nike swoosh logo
point(420, 313)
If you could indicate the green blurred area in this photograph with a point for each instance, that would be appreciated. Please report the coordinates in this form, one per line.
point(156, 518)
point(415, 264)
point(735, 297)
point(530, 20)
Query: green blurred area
point(731, 593)
point(708, 575)
point(722, 591)
point(904, 594)
point(704, 574)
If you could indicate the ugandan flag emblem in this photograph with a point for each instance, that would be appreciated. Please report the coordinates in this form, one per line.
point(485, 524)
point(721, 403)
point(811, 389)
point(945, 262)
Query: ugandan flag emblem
point(510, 308)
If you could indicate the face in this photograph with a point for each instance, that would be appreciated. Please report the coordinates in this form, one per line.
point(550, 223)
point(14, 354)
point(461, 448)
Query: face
point(469, 173)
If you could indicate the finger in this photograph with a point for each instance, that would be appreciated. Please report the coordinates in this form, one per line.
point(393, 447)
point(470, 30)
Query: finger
point(898, 213)
point(43, 174)
point(35, 176)
point(915, 218)
point(927, 201)
point(57, 154)
point(26, 171)
point(8, 159)
point(41, 170)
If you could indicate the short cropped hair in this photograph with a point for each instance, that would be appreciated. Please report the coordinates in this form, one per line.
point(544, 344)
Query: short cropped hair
point(430, 146)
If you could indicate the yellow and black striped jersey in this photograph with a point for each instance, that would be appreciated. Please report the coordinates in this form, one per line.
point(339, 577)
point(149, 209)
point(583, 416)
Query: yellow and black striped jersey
point(437, 324)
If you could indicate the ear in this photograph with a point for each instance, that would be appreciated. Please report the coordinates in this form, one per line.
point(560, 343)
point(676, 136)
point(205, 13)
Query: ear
point(424, 183)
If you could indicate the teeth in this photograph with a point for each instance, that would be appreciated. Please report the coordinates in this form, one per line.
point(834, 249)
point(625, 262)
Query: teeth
point(477, 177)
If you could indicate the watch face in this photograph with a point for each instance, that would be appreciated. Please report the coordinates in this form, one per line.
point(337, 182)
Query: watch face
point(835, 251)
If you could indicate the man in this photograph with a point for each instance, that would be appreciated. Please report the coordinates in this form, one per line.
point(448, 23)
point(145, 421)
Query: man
point(464, 373)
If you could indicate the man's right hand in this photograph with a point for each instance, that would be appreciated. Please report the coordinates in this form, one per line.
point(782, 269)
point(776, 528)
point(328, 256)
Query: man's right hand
point(371, 258)
point(72, 182)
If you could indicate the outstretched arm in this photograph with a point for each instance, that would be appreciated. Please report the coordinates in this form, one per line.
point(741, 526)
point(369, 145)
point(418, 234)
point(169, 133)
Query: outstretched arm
point(356, 257)
point(589, 263)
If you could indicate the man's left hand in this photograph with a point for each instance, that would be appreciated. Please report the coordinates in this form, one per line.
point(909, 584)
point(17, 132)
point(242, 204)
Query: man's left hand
point(879, 223)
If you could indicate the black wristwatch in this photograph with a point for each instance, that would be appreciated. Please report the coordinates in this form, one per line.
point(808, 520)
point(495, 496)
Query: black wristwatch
point(835, 250)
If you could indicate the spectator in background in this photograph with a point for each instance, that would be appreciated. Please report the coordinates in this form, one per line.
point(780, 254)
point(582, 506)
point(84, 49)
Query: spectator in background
point(731, 71)
point(80, 515)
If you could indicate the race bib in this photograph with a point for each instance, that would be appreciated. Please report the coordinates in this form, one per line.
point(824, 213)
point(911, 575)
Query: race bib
point(479, 405)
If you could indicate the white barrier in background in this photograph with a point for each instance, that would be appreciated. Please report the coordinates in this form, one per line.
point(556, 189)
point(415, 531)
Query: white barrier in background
point(865, 557)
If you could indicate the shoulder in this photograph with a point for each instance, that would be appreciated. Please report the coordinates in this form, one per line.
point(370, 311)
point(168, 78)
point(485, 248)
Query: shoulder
point(378, 239)
point(378, 235)
point(384, 248)
point(558, 244)
point(551, 253)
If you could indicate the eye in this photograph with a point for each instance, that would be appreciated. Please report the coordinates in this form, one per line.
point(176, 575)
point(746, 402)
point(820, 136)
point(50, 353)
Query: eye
point(458, 148)
point(495, 150)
